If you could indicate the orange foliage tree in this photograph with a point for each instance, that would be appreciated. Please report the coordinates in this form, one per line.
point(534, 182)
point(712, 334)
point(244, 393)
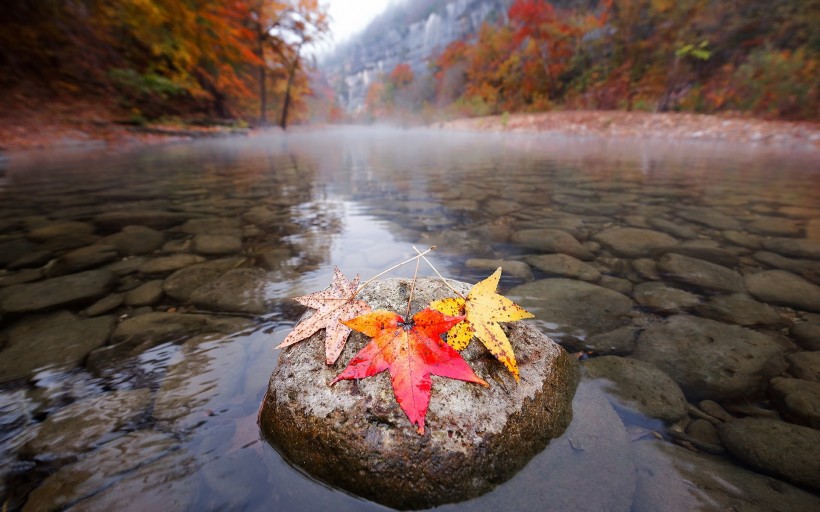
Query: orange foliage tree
point(157, 54)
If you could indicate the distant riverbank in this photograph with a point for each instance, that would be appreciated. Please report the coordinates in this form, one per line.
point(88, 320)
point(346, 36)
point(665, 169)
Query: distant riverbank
point(83, 123)
point(50, 129)
point(640, 125)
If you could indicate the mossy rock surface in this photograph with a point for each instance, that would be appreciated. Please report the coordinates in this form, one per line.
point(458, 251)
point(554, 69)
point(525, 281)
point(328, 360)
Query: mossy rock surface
point(354, 436)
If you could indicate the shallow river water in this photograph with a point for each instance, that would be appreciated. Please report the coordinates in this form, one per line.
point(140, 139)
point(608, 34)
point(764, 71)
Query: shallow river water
point(142, 295)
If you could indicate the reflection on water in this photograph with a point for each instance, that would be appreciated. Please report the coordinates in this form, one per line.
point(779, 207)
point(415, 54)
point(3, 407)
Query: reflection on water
point(142, 295)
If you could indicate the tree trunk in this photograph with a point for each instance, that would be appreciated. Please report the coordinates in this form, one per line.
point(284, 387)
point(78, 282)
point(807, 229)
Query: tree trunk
point(286, 106)
point(263, 86)
point(263, 97)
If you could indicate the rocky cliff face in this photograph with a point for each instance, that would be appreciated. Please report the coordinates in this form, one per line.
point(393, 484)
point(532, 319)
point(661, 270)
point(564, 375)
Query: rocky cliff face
point(403, 36)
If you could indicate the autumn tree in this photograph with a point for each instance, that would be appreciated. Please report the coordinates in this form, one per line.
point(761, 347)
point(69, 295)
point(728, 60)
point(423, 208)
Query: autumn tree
point(303, 23)
point(450, 72)
point(161, 56)
point(547, 41)
point(395, 95)
point(283, 29)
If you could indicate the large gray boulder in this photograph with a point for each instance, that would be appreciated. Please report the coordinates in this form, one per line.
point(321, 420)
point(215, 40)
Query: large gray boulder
point(635, 386)
point(710, 359)
point(576, 307)
point(790, 452)
point(674, 479)
point(354, 435)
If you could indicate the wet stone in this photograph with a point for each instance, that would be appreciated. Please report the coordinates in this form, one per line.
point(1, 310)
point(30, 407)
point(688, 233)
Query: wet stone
point(714, 410)
point(183, 403)
point(813, 229)
point(172, 263)
point(774, 226)
point(799, 212)
point(172, 246)
point(743, 239)
point(552, 241)
point(69, 242)
point(797, 400)
point(475, 437)
point(127, 265)
point(144, 295)
point(517, 269)
point(215, 245)
point(275, 259)
point(710, 218)
point(98, 470)
point(83, 258)
point(21, 277)
point(705, 433)
point(104, 305)
point(794, 247)
point(700, 274)
point(635, 386)
point(617, 284)
point(739, 309)
point(15, 249)
point(58, 229)
point(59, 339)
point(158, 327)
point(785, 450)
point(79, 426)
point(156, 219)
point(676, 230)
point(663, 299)
point(134, 240)
point(59, 291)
point(211, 226)
point(241, 290)
point(805, 365)
point(646, 268)
point(182, 283)
point(784, 288)
point(33, 259)
point(807, 335)
point(264, 218)
point(710, 359)
point(633, 242)
point(710, 254)
point(618, 342)
point(672, 478)
point(170, 480)
point(563, 265)
point(808, 269)
point(556, 301)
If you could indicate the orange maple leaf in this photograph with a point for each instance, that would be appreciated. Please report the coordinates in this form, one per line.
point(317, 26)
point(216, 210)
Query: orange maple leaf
point(411, 351)
point(332, 305)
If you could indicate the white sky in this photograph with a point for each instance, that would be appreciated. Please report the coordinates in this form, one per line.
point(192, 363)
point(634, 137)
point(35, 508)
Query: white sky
point(349, 17)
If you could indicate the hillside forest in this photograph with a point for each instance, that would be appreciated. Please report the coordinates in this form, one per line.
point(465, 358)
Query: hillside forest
point(245, 61)
point(159, 59)
point(756, 57)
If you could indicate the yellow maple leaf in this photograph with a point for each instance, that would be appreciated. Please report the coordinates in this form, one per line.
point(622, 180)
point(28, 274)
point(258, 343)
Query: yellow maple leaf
point(483, 309)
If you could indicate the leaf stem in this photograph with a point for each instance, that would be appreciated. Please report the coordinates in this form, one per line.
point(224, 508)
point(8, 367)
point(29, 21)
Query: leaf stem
point(413, 285)
point(421, 255)
point(394, 267)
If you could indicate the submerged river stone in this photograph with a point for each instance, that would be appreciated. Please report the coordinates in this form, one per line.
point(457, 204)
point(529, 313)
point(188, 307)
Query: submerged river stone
point(354, 435)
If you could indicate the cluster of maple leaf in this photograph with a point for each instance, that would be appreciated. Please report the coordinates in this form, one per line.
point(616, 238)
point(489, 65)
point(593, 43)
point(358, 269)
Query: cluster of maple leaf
point(411, 349)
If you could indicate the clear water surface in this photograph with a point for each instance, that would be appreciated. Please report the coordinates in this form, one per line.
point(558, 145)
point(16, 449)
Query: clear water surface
point(359, 199)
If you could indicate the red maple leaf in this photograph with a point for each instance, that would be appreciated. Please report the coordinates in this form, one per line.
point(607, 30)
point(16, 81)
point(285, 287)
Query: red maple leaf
point(336, 303)
point(412, 351)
